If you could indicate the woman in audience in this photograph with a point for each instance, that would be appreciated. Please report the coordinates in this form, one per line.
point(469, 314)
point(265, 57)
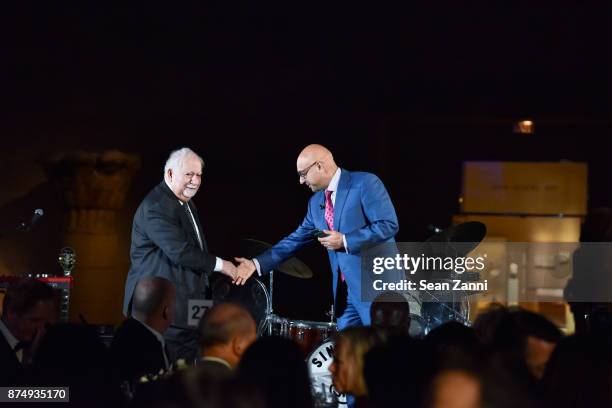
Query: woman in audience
point(347, 368)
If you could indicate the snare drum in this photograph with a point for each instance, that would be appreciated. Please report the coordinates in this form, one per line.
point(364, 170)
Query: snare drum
point(305, 333)
point(309, 334)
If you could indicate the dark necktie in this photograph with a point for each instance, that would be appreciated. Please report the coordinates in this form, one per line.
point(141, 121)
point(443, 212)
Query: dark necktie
point(195, 227)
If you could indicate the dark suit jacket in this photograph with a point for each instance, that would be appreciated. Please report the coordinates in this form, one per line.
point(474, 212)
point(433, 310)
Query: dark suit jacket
point(165, 244)
point(135, 351)
point(214, 369)
point(11, 370)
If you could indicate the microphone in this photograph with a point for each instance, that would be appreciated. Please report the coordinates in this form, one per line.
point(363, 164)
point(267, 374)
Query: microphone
point(27, 226)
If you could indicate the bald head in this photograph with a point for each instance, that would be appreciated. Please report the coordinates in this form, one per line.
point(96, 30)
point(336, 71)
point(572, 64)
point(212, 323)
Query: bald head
point(316, 166)
point(226, 331)
point(222, 322)
point(315, 152)
point(153, 301)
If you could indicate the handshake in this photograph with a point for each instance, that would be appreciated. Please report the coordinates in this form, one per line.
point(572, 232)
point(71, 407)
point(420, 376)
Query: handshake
point(241, 273)
point(329, 239)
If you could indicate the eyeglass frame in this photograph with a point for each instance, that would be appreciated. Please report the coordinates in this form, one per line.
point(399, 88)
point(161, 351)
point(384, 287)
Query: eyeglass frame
point(304, 173)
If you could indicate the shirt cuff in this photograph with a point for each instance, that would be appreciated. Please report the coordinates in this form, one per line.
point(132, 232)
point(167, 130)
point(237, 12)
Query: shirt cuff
point(344, 242)
point(256, 262)
point(218, 265)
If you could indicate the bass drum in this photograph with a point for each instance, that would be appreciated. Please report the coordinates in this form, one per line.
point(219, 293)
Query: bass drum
point(323, 391)
point(253, 296)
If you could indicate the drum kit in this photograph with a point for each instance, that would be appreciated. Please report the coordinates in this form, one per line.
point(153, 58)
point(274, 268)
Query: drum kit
point(316, 337)
point(439, 307)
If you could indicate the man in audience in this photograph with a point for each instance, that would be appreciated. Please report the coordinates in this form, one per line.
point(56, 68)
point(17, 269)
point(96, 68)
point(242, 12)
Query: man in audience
point(225, 332)
point(524, 341)
point(27, 308)
point(138, 347)
point(455, 389)
point(276, 368)
point(397, 372)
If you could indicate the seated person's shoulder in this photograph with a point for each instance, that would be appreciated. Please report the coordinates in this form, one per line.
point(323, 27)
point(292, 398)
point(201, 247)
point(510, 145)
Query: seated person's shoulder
point(126, 330)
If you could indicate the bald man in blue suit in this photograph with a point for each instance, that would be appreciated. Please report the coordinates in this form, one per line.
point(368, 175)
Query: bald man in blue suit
point(354, 210)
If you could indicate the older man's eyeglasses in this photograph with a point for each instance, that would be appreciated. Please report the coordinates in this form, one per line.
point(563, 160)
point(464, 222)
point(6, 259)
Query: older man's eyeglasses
point(304, 173)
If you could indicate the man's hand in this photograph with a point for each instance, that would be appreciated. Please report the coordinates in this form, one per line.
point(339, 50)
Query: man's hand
point(333, 240)
point(229, 269)
point(245, 269)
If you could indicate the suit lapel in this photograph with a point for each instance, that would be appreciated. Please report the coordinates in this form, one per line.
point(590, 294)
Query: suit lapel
point(344, 186)
point(185, 218)
point(187, 223)
point(194, 211)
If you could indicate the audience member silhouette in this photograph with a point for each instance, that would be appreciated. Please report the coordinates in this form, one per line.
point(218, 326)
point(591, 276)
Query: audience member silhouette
point(29, 306)
point(276, 366)
point(138, 347)
point(224, 333)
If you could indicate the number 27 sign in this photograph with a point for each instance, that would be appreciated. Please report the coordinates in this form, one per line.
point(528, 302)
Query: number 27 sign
point(196, 309)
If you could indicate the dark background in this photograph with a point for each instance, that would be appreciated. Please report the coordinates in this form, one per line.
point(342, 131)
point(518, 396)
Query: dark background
point(406, 91)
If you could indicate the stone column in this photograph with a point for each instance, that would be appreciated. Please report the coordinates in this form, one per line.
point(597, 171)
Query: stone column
point(94, 187)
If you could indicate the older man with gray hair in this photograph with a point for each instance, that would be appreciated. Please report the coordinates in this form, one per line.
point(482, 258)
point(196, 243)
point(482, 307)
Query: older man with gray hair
point(168, 241)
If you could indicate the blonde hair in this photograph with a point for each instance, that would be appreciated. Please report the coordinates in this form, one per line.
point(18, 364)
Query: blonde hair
point(359, 340)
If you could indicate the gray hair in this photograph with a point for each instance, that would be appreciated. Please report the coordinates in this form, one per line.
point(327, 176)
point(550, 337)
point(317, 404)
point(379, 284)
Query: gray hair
point(177, 157)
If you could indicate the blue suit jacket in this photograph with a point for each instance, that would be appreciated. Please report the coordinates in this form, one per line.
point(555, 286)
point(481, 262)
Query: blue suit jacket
point(363, 212)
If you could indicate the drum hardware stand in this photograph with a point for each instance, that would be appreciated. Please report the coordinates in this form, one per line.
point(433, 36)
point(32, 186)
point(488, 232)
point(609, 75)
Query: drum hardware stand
point(270, 316)
point(331, 314)
point(455, 315)
point(271, 307)
point(471, 234)
point(270, 310)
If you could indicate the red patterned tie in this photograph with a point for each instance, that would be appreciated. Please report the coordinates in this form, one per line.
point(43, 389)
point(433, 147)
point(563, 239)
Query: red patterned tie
point(329, 216)
point(329, 210)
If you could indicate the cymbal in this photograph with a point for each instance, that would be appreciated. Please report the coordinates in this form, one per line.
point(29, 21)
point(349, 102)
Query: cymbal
point(292, 266)
point(466, 236)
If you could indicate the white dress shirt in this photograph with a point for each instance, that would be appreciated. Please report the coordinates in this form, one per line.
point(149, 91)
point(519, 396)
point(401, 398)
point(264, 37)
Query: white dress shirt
point(219, 262)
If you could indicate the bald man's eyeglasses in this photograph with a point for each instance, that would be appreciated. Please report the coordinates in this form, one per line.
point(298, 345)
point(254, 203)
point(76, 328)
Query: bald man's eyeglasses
point(304, 173)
